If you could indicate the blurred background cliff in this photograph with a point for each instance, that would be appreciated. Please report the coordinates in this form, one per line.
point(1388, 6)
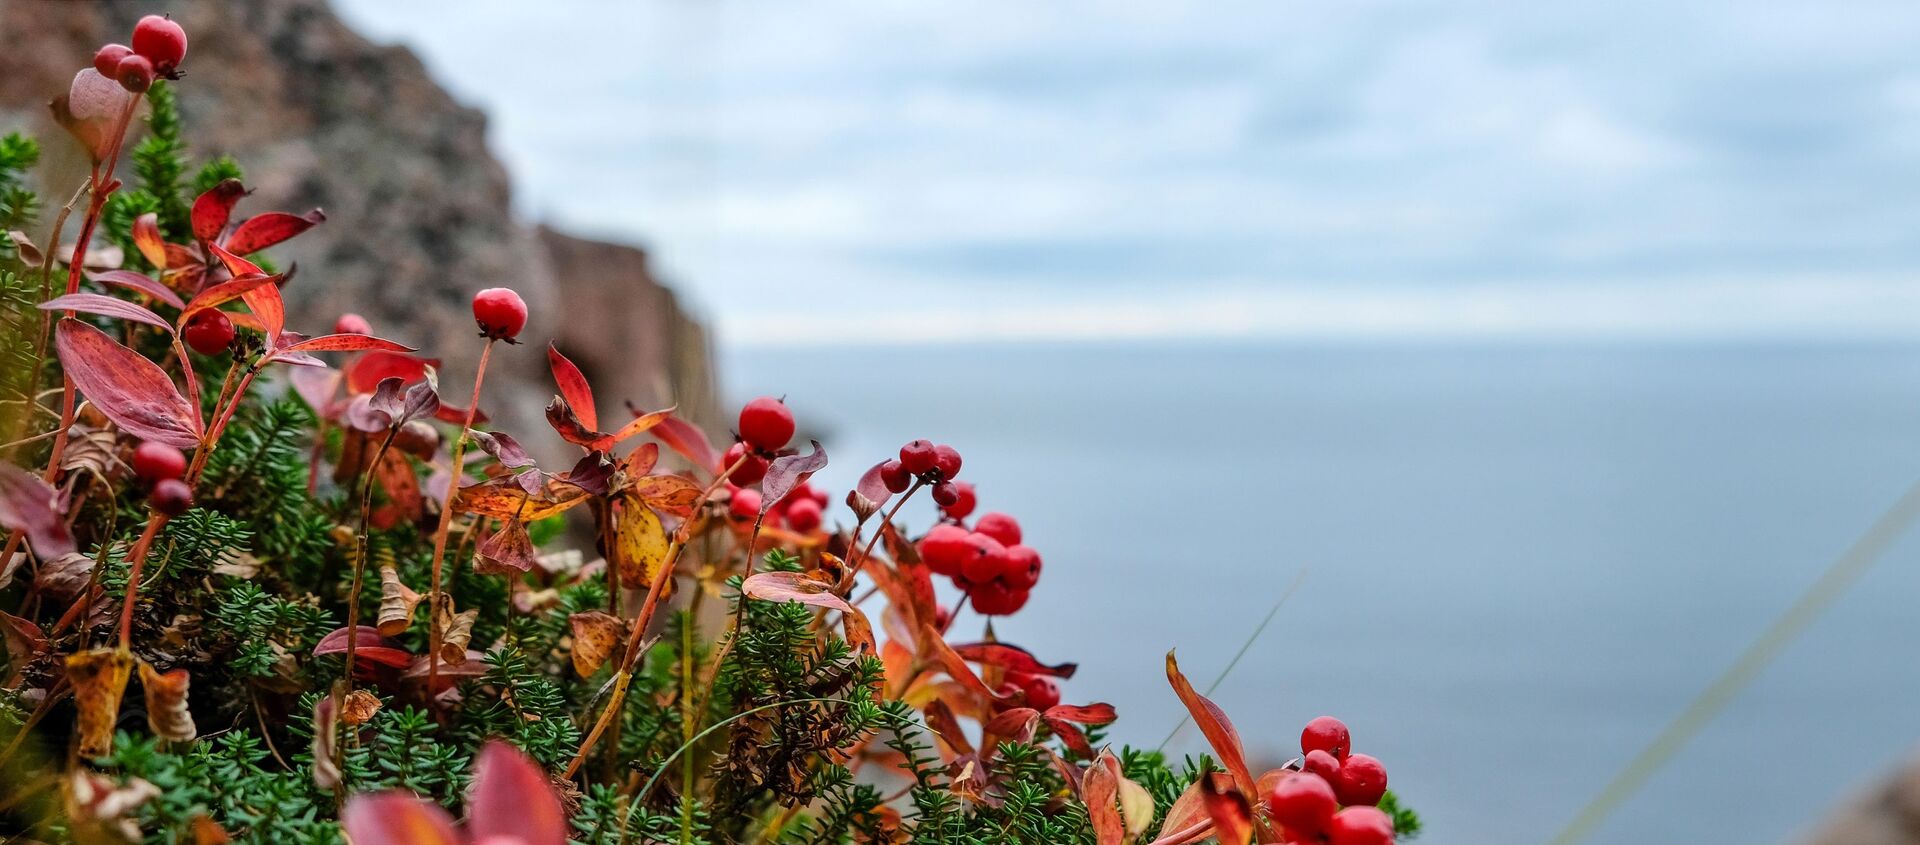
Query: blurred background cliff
point(1562, 346)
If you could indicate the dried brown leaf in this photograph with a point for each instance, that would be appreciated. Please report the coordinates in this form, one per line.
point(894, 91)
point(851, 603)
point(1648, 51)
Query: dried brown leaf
point(99, 679)
point(166, 693)
point(595, 637)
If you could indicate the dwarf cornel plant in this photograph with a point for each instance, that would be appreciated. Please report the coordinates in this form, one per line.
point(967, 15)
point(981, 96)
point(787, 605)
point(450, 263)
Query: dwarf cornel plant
point(353, 616)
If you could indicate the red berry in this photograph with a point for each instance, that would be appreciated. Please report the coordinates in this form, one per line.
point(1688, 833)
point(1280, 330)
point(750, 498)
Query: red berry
point(1000, 527)
point(1360, 826)
point(941, 617)
point(895, 477)
point(352, 324)
point(1327, 734)
point(766, 424)
point(170, 496)
point(750, 471)
point(1041, 692)
point(944, 547)
point(917, 457)
point(946, 460)
point(984, 558)
point(1362, 780)
point(161, 41)
point(1323, 764)
point(803, 515)
point(1302, 802)
point(107, 61)
point(995, 599)
point(944, 494)
point(157, 461)
point(745, 505)
point(962, 499)
point(1022, 567)
point(500, 312)
point(208, 332)
point(135, 73)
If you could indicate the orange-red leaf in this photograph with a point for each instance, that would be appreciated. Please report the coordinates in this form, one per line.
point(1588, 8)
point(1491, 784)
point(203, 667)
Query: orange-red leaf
point(1214, 724)
point(513, 801)
point(146, 238)
point(669, 494)
point(1100, 789)
point(214, 296)
point(264, 230)
point(138, 282)
point(561, 416)
point(367, 371)
point(573, 385)
point(346, 343)
point(212, 209)
point(106, 306)
point(641, 424)
point(371, 646)
point(1013, 659)
point(131, 390)
point(396, 818)
point(1232, 815)
point(682, 437)
point(508, 501)
point(796, 586)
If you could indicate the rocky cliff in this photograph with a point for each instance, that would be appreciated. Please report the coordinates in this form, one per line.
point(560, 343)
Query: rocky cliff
point(418, 209)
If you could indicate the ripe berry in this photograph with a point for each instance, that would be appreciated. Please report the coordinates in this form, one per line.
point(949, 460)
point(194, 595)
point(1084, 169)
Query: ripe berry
point(1323, 764)
point(352, 324)
point(1000, 527)
point(500, 312)
point(1360, 826)
point(1327, 734)
point(135, 73)
point(1021, 567)
point(750, 471)
point(944, 547)
point(962, 499)
point(944, 494)
point(917, 457)
point(946, 460)
point(208, 332)
point(984, 558)
point(941, 617)
point(995, 599)
point(1302, 802)
point(803, 516)
point(766, 424)
point(1362, 780)
point(1041, 692)
point(107, 61)
point(161, 41)
point(158, 461)
point(170, 496)
point(895, 477)
point(745, 505)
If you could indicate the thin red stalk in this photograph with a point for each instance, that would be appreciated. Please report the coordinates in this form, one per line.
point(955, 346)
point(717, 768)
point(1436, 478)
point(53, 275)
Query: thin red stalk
point(138, 559)
point(459, 452)
point(360, 555)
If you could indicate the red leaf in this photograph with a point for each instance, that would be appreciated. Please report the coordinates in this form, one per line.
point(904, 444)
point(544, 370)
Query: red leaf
point(560, 415)
point(131, 390)
point(139, 282)
point(146, 238)
point(370, 645)
point(1013, 659)
point(513, 801)
point(1232, 815)
point(692, 444)
point(574, 387)
point(1100, 790)
point(1214, 724)
point(106, 306)
point(1190, 808)
point(396, 818)
point(796, 586)
point(1017, 724)
point(264, 230)
point(212, 209)
point(1098, 713)
point(30, 504)
point(873, 487)
point(640, 461)
point(91, 109)
point(216, 295)
point(264, 301)
point(787, 472)
point(642, 424)
point(367, 371)
point(346, 343)
point(936, 647)
point(673, 495)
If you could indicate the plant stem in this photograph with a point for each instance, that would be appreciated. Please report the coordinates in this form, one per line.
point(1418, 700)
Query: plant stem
point(360, 555)
point(137, 559)
point(446, 521)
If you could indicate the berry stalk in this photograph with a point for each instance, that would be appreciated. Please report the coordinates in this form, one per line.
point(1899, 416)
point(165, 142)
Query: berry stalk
point(459, 452)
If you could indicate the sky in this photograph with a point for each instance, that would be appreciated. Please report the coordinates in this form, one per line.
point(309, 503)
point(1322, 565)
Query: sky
point(891, 172)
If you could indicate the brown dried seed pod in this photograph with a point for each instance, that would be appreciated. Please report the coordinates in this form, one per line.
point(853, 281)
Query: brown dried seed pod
point(167, 714)
point(397, 603)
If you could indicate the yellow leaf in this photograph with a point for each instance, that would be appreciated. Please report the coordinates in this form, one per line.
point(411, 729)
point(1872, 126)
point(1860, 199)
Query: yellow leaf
point(640, 545)
point(99, 678)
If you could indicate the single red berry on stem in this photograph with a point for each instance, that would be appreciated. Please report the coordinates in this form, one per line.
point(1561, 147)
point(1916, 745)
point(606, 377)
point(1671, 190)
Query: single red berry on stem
point(917, 457)
point(160, 41)
point(170, 496)
point(992, 598)
point(803, 516)
point(352, 324)
point(1000, 527)
point(1042, 693)
point(745, 505)
point(134, 73)
point(208, 332)
point(1327, 734)
point(895, 476)
point(750, 470)
point(1321, 763)
point(945, 495)
point(1022, 567)
point(766, 424)
point(946, 461)
point(944, 547)
point(107, 61)
point(158, 461)
point(500, 312)
point(1362, 780)
point(1360, 826)
point(1303, 802)
point(963, 500)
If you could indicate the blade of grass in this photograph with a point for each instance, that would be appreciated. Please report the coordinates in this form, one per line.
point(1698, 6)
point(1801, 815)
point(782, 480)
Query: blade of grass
point(1244, 647)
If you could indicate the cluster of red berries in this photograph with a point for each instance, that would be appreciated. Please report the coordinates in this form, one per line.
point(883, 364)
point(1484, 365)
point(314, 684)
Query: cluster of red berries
point(802, 511)
point(988, 563)
point(925, 463)
point(1041, 692)
point(1332, 799)
point(162, 466)
point(159, 45)
point(766, 427)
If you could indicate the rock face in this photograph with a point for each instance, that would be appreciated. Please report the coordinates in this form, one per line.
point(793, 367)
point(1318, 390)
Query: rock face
point(1889, 814)
point(418, 210)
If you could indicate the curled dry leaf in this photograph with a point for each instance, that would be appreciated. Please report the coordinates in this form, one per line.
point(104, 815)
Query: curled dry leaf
point(1136, 807)
point(33, 506)
point(455, 632)
point(787, 472)
point(63, 577)
point(359, 707)
point(91, 450)
point(397, 603)
point(509, 551)
point(326, 737)
point(101, 811)
point(129, 389)
point(90, 109)
point(30, 255)
point(99, 679)
point(166, 693)
point(595, 636)
point(503, 448)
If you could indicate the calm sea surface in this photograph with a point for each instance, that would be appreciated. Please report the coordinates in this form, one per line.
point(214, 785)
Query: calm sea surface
point(1521, 561)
